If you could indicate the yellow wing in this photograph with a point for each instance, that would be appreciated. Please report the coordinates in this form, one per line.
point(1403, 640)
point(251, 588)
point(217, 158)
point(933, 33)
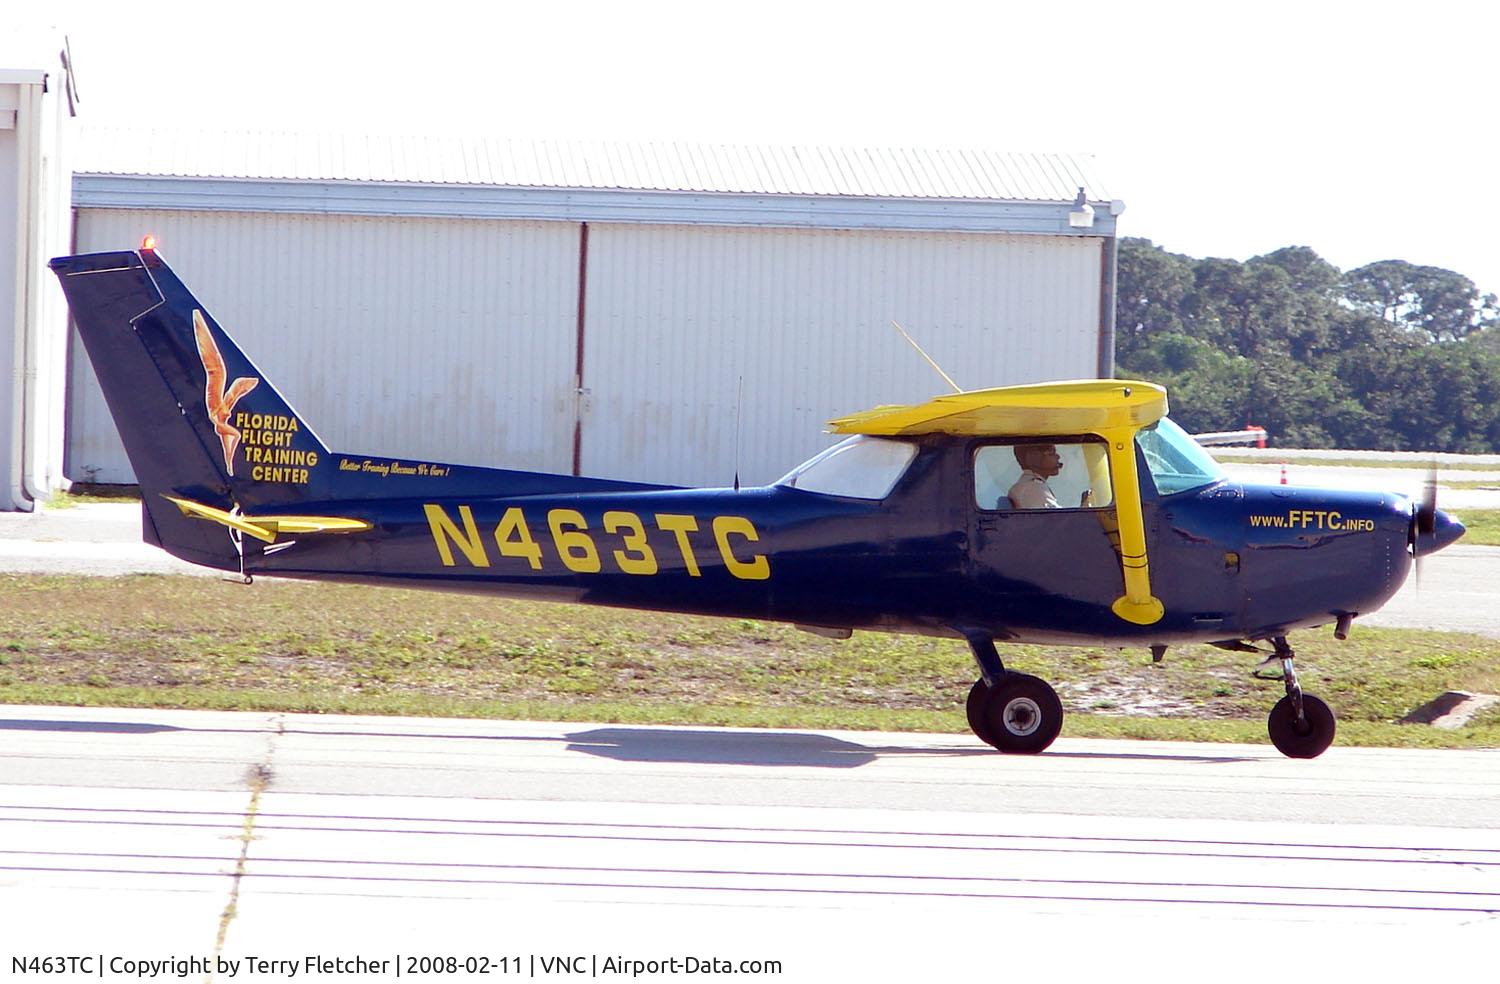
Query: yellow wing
point(1086, 406)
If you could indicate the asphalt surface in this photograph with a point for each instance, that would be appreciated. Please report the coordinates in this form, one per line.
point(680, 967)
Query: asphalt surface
point(159, 834)
point(90, 538)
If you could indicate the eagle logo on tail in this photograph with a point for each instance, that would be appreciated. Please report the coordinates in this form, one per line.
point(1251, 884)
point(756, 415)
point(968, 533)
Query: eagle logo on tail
point(219, 400)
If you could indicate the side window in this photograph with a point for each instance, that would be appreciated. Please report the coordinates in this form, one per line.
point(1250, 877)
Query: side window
point(1043, 475)
point(861, 468)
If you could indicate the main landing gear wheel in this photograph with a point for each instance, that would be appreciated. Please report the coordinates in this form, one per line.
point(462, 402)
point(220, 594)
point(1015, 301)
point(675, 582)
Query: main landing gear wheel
point(1303, 739)
point(1020, 714)
point(978, 696)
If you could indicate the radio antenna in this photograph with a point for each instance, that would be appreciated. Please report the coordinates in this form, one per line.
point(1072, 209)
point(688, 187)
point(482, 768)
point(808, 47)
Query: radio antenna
point(946, 378)
point(739, 403)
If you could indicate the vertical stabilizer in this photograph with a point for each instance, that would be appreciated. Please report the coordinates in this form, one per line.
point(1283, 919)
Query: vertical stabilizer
point(198, 420)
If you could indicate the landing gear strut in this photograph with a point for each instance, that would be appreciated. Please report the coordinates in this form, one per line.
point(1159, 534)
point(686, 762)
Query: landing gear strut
point(1014, 712)
point(1301, 725)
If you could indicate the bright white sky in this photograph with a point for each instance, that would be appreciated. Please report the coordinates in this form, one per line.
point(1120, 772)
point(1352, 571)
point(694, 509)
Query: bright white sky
point(1366, 131)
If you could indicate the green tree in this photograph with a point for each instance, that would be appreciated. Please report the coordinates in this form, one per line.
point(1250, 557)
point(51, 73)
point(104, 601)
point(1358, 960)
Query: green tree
point(1310, 273)
point(1391, 355)
point(1310, 307)
point(1431, 398)
point(1443, 304)
point(1151, 290)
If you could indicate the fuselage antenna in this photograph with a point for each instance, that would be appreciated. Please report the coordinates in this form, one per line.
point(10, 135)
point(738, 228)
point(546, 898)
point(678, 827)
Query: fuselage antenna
point(946, 378)
point(739, 406)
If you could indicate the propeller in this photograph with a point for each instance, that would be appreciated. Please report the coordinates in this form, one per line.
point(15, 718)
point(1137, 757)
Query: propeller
point(1423, 520)
point(1426, 515)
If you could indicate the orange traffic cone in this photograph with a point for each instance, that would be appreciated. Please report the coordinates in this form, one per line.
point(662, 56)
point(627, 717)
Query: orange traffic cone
point(1283, 473)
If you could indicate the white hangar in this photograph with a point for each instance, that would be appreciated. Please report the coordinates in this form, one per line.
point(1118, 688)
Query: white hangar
point(37, 106)
point(650, 312)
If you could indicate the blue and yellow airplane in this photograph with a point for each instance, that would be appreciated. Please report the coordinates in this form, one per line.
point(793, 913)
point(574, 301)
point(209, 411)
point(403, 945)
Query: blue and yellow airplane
point(1071, 512)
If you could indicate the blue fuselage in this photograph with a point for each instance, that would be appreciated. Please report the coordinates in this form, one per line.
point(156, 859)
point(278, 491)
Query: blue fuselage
point(1227, 561)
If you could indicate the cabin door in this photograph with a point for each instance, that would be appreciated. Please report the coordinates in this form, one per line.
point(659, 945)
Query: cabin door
point(1043, 536)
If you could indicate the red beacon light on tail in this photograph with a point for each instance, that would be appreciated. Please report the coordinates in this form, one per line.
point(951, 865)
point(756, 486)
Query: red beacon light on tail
point(148, 243)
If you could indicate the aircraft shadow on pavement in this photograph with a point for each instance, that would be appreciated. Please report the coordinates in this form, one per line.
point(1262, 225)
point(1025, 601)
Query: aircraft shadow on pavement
point(89, 727)
point(781, 749)
point(722, 747)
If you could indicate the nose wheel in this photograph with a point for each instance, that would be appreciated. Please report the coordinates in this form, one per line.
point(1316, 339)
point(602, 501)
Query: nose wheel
point(1300, 725)
point(1304, 739)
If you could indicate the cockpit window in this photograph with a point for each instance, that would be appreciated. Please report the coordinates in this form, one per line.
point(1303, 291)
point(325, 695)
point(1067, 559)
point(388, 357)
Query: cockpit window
point(1043, 474)
point(1177, 462)
point(862, 468)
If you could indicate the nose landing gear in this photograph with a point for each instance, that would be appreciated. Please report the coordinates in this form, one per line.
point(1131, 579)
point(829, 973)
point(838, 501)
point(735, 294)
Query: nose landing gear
point(1301, 725)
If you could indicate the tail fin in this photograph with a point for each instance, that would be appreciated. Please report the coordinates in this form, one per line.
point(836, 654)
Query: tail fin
point(199, 422)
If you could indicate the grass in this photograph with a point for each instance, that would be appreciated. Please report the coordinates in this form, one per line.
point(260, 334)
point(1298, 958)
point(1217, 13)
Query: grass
point(156, 641)
point(81, 493)
point(1481, 526)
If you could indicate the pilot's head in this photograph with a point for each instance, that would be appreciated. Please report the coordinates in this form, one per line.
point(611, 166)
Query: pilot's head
point(1040, 459)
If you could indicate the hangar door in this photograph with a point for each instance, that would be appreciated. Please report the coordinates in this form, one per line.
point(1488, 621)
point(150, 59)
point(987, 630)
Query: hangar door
point(437, 339)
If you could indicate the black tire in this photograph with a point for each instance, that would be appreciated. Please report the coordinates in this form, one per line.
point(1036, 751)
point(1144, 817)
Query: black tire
point(1023, 714)
point(1305, 741)
point(978, 697)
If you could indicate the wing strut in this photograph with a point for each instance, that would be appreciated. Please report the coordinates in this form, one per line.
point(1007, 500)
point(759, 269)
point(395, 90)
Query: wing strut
point(1137, 603)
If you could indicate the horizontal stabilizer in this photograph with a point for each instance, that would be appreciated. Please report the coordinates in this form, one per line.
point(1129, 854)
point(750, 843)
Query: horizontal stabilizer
point(266, 528)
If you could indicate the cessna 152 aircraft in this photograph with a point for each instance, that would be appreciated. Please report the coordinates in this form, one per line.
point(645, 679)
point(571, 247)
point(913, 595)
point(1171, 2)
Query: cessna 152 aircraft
point(1071, 512)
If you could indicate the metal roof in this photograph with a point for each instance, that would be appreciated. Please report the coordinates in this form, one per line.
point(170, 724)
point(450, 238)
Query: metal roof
point(903, 173)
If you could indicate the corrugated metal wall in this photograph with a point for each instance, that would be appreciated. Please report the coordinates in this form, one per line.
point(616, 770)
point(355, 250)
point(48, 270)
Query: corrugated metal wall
point(677, 314)
point(450, 340)
point(455, 340)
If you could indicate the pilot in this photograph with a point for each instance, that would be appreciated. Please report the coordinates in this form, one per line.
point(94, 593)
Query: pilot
point(1038, 462)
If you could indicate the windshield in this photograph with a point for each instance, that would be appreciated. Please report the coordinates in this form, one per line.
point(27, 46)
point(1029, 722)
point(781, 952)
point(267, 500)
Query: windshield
point(1177, 462)
point(861, 467)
